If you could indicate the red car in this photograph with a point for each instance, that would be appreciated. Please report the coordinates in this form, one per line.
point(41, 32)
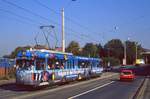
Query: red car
point(127, 75)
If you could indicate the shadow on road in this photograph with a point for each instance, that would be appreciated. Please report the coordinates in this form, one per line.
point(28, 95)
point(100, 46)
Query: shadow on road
point(19, 88)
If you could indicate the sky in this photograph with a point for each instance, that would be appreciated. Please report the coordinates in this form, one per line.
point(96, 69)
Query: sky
point(96, 21)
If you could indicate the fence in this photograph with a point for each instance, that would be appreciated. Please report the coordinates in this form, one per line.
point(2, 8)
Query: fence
point(6, 67)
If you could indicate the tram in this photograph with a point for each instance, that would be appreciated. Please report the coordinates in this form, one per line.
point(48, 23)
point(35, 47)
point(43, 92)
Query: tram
point(44, 67)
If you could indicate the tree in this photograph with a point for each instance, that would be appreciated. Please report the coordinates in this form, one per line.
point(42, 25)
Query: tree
point(131, 51)
point(74, 48)
point(90, 50)
point(100, 50)
point(113, 61)
point(14, 53)
point(115, 49)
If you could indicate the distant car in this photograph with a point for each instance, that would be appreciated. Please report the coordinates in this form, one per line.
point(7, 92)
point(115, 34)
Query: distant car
point(127, 75)
point(122, 68)
point(108, 68)
point(139, 62)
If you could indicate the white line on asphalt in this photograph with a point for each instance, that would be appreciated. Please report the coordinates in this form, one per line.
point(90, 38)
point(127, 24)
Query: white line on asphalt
point(56, 89)
point(91, 90)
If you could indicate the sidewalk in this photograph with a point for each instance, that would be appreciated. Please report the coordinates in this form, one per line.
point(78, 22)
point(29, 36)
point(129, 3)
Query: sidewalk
point(7, 81)
point(147, 90)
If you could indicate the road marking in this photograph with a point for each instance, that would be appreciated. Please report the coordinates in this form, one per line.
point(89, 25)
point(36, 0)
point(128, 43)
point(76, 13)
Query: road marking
point(56, 89)
point(91, 90)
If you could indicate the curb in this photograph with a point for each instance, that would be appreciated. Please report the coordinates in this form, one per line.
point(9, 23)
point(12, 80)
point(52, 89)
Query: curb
point(140, 91)
point(25, 96)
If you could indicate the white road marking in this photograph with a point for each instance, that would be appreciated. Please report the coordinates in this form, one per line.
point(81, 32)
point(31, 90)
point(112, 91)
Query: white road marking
point(56, 89)
point(91, 90)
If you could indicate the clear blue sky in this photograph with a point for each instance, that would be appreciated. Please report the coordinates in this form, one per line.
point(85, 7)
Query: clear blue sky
point(94, 21)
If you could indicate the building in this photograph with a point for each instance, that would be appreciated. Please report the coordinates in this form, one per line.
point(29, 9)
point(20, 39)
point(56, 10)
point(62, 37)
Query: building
point(146, 56)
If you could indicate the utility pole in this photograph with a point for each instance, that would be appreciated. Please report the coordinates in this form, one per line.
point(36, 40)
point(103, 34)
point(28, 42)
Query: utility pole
point(108, 64)
point(63, 31)
point(136, 50)
point(125, 54)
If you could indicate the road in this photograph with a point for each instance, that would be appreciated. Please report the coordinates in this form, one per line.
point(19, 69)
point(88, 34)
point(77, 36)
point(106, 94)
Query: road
point(99, 88)
point(106, 87)
point(115, 90)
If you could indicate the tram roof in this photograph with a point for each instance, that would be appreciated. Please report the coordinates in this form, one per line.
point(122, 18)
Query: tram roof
point(43, 54)
point(51, 51)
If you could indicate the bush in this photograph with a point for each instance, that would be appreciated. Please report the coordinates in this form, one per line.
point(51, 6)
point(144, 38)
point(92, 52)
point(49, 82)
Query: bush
point(113, 61)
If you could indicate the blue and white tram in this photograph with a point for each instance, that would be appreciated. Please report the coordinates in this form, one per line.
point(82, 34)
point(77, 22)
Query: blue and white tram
point(43, 67)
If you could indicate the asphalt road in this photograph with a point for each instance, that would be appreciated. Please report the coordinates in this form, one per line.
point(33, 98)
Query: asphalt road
point(99, 88)
point(9, 91)
point(147, 89)
point(115, 90)
point(106, 89)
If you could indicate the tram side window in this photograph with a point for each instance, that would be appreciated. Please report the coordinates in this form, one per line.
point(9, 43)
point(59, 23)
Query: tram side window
point(24, 63)
point(73, 64)
point(19, 63)
point(51, 64)
point(40, 64)
point(82, 64)
point(62, 64)
point(70, 64)
point(56, 64)
point(88, 64)
point(59, 64)
point(94, 64)
point(99, 64)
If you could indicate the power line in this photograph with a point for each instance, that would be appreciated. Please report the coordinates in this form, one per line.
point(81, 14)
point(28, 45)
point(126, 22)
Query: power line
point(29, 11)
point(43, 5)
point(31, 21)
point(22, 17)
point(69, 19)
point(44, 18)
point(18, 20)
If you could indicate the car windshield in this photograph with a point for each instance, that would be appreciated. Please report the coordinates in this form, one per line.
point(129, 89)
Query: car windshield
point(126, 73)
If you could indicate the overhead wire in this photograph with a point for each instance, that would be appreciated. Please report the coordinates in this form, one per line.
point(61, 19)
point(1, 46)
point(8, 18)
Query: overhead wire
point(44, 18)
point(66, 17)
point(74, 22)
point(29, 11)
point(26, 18)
